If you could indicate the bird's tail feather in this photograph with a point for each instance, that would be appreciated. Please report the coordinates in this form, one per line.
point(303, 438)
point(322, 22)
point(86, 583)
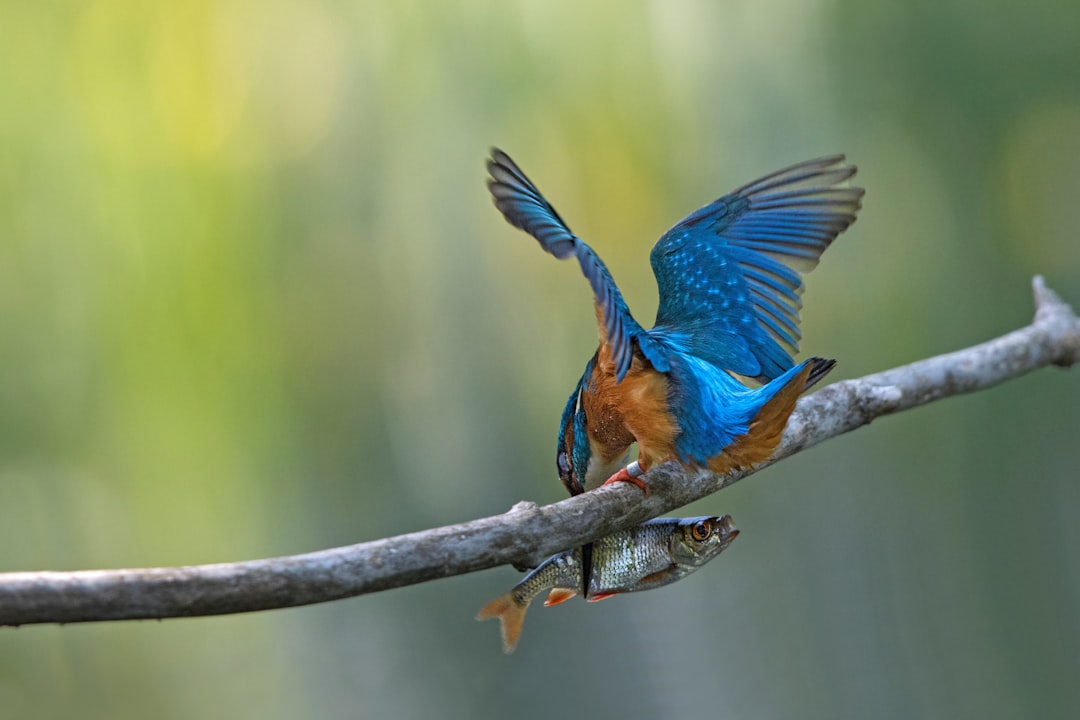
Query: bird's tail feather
point(819, 368)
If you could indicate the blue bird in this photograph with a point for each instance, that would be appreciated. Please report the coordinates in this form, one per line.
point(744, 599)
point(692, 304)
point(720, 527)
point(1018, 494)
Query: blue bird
point(729, 279)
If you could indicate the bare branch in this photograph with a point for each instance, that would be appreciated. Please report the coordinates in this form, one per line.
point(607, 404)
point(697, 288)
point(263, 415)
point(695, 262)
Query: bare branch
point(528, 532)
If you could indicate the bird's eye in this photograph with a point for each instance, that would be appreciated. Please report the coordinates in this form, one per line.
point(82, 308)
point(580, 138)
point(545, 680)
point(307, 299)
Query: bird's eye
point(701, 531)
point(563, 462)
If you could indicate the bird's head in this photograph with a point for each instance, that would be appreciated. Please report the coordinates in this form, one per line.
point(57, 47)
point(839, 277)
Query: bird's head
point(574, 450)
point(584, 460)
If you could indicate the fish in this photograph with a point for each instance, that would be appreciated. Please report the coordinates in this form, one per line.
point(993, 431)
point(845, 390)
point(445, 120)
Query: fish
point(650, 555)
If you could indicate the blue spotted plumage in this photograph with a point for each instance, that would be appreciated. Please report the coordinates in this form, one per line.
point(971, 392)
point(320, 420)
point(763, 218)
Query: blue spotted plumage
point(728, 274)
point(729, 279)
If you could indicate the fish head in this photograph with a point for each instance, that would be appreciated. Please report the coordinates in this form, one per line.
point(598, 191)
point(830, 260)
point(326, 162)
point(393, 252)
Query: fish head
point(697, 540)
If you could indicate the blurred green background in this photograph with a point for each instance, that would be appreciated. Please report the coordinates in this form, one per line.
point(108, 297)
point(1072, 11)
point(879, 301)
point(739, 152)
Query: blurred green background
point(255, 300)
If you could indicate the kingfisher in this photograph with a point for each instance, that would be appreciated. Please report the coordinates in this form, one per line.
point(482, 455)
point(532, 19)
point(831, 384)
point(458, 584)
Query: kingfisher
point(713, 382)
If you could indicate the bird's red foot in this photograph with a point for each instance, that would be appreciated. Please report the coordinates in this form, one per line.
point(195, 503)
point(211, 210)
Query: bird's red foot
point(624, 475)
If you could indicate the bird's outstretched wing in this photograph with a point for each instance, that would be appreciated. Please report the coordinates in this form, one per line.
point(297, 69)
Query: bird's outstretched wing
point(524, 207)
point(729, 274)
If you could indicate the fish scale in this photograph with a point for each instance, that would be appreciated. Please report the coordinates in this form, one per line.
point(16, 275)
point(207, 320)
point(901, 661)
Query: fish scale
point(622, 559)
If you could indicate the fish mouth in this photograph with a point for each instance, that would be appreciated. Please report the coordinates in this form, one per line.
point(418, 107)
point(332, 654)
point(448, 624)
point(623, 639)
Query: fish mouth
point(727, 527)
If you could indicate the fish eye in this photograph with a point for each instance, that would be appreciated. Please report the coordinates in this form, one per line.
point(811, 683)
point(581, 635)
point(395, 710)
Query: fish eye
point(563, 462)
point(701, 530)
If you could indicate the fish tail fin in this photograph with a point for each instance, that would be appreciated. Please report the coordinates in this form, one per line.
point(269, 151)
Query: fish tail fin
point(511, 614)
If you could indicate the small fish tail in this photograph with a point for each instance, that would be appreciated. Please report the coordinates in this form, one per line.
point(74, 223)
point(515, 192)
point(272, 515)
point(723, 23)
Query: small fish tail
point(511, 615)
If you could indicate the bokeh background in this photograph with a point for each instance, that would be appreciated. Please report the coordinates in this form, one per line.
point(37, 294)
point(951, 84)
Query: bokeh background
point(254, 300)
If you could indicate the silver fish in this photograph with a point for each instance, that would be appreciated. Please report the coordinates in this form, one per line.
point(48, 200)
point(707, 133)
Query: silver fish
point(652, 554)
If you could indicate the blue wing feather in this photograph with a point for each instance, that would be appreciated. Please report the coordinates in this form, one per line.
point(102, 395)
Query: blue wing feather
point(524, 207)
point(729, 273)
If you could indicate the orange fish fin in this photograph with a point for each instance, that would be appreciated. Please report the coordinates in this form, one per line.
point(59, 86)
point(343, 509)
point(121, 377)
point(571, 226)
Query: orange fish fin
point(559, 595)
point(601, 596)
point(511, 616)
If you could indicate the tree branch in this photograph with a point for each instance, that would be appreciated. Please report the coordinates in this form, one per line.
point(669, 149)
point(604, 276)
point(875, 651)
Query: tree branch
point(527, 532)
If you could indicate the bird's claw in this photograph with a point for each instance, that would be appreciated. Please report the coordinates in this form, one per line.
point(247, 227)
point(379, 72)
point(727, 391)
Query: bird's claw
point(625, 476)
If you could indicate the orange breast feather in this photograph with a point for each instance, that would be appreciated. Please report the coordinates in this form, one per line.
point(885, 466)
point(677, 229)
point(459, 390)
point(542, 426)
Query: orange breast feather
point(635, 409)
